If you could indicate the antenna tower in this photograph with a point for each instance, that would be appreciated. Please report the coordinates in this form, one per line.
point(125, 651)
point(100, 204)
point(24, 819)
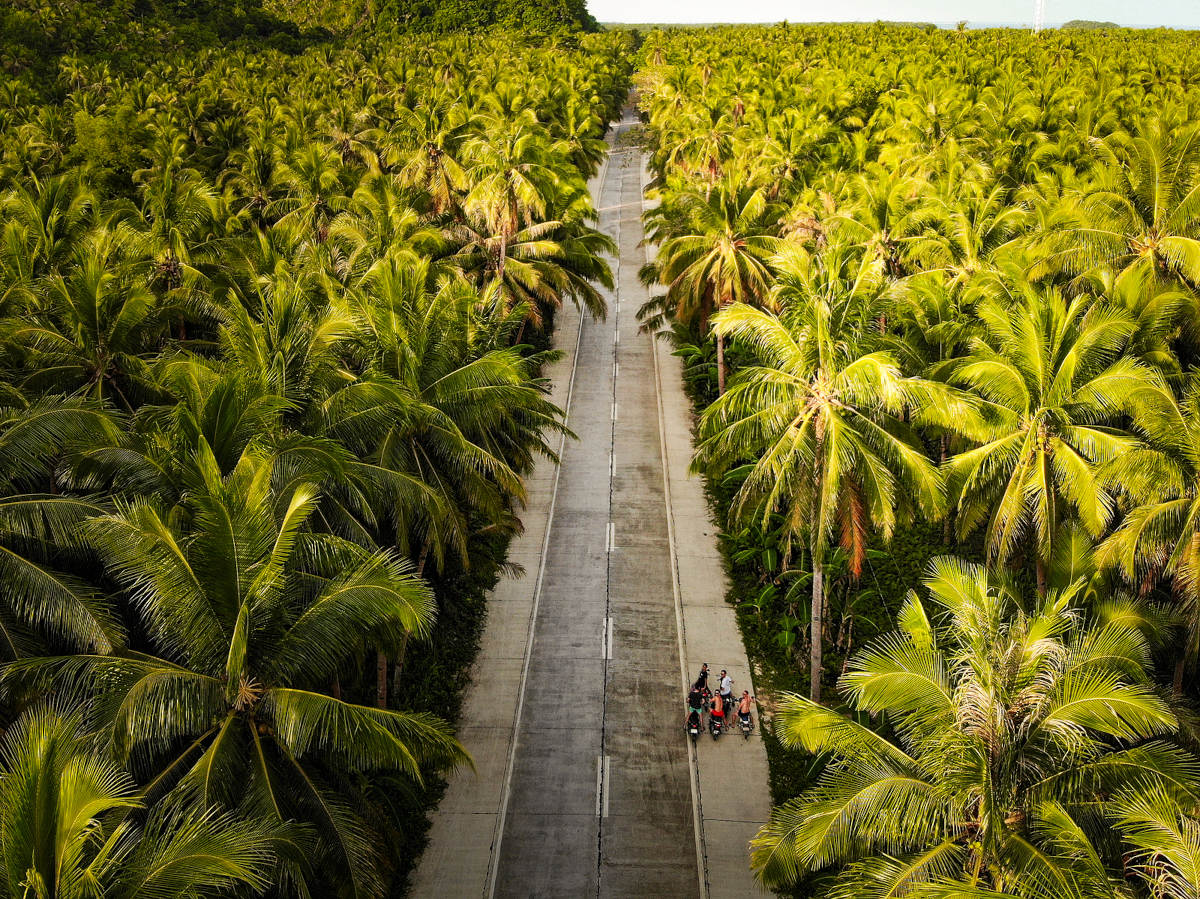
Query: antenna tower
point(1039, 15)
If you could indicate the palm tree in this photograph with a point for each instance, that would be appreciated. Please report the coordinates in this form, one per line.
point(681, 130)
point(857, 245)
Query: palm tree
point(444, 422)
point(45, 598)
point(1142, 215)
point(383, 217)
point(314, 194)
point(882, 214)
point(44, 223)
point(66, 828)
point(511, 178)
point(964, 233)
point(431, 135)
point(531, 271)
point(92, 329)
point(249, 616)
point(1157, 538)
point(820, 417)
point(1053, 381)
point(715, 251)
point(1025, 754)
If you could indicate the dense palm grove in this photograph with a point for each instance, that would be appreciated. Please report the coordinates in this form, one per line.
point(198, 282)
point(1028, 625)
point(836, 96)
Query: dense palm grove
point(948, 283)
point(271, 330)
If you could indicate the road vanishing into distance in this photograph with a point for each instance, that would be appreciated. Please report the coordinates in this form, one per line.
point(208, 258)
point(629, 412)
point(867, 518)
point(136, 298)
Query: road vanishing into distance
point(586, 784)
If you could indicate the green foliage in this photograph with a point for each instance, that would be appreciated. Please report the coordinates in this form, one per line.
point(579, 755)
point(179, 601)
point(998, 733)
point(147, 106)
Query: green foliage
point(1020, 737)
point(976, 324)
point(438, 16)
point(271, 332)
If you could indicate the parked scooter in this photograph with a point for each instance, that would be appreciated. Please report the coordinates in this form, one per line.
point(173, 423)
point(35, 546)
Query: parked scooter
point(693, 725)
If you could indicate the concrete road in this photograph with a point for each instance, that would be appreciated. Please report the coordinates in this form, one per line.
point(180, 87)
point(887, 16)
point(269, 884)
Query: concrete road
point(587, 785)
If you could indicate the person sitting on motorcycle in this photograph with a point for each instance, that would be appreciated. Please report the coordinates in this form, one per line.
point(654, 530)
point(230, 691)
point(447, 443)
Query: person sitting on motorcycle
point(716, 710)
point(744, 706)
point(695, 699)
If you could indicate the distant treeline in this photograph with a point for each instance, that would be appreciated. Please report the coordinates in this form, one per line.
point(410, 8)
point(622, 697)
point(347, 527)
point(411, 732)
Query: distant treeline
point(437, 15)
point(1087, 25)
point(130, 33)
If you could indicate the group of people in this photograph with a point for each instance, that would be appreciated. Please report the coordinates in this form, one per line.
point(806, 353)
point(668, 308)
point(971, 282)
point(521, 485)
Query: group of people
point(700, 697)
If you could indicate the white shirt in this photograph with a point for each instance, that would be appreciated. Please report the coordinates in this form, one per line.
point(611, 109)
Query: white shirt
point(726, 685)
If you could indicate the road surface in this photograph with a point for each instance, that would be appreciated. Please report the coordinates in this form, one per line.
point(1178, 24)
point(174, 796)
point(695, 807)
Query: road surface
point(586, 784)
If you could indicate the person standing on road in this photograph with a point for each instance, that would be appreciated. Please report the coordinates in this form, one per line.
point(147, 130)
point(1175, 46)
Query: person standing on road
point(726, 687)
point(702, 679)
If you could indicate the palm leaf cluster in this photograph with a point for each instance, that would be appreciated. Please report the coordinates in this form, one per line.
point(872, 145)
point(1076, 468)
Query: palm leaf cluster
point(271, 334)
point(1024, 754)
point(950, 277)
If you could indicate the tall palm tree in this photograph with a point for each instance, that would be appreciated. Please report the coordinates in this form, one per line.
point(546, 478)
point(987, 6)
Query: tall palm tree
point(444, 422)
point(1053, 382)
point(1143, 213)
point(715, 248)
point(66, 829)
point(44, 223)
point(511, 178)
point(1158, 536)
point(964, 232)
point(46, 600)
point(427, 151)
point(248, 617)
point(92, 329)
point(1026, 754)
point(820, 417)
point(532, 270)
point(313, 194)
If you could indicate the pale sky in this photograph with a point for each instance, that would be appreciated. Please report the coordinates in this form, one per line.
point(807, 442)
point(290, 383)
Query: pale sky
point(1173, 13)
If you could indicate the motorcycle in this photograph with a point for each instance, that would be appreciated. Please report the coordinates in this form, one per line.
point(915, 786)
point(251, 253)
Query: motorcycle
point(716, 724)
point(746, 724)
point(693, 725)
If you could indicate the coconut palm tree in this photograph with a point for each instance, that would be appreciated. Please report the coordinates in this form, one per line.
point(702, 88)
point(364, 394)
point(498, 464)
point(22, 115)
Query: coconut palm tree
point(443, 424)
point(46, 600)
point(314, 193)
point(510, 175)
point(67, 827)
point(92, 328)
point(533, 270)
point(1027, 753)
point(1157, 538)
point(1143, 213)
point(427, 151)
point(715, 248)
point(964, 233)
point(1053, 382)
point(44, 224)
point(249, 616)
point(819, 415)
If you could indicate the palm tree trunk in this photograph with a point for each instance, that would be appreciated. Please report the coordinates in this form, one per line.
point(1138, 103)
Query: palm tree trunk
point(381, 679)
point(399, 666)
point(1051, 525)
point(947, 525)
point(720, 365)
point(817, 629)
